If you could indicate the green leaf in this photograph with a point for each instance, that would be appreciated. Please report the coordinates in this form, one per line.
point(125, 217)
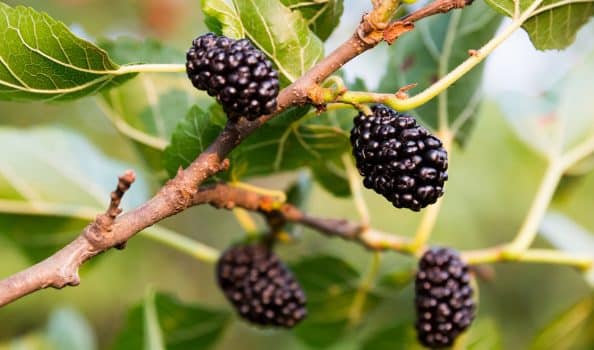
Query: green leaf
point(566, 235)
point(484, 334)
point(282, 35)
point(69, 330)
point(222, 18)
point(191, 136)
point(162, 321)
point(331, 292)
point(554, 24)
point(332, 176)
point(40, 59)
point(566, 329)
point(52, 185)
point(125, 50)
point(399, 337)
point(298, 195)
point(322, 16)
point(556, 122)
point(435, 47)
point(148, 108)
point(285, 143)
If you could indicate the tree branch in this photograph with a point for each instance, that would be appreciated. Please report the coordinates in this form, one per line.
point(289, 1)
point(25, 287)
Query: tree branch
point(61, 269)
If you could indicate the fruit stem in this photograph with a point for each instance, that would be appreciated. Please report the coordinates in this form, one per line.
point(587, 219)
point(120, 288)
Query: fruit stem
point(181, 243)
point(246, 222)
point(544, 195)
point(367, 281)
point(357, 191)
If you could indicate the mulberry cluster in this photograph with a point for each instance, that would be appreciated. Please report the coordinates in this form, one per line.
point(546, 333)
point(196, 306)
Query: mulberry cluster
point(444, 303)
point(260, 287)
point(398, 158)
point(236, 73)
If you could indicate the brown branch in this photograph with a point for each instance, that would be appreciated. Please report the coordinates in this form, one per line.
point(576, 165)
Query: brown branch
point(228, 197)
point(407, 23)
point(111, 230)
point(61, 269)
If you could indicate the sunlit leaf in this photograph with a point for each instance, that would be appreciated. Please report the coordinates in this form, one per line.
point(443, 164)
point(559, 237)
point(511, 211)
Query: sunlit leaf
point(322, 16)
point(554, 24)
point(40, 59)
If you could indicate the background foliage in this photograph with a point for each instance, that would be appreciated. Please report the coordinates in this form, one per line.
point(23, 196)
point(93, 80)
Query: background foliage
point(59, 161)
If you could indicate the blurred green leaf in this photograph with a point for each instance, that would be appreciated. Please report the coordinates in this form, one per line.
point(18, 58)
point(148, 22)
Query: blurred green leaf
point(42, 60)
point(331, 288)
point(69, 330)
point(222, 18)
point(399, 337)
point(566, 329)
point(298, 195)
point(51, 184)
point(148, 108)
point(66, 329)
point(125, 50)
point(162, 321)
point(435, 47)
point(564, 234)
point(554, 24)
point(556, 122)
point(399, 278)
point(484, 334)
point(322, 16)
point(331, 175)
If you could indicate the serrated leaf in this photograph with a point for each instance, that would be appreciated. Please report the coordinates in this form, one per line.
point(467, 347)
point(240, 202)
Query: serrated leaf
point(286, 143)
point(222, 18)
point(554, 24)
point(435, 47)
point(162, 321)
point(40, 59)
point(331, 292)
point(51, 185)
point(566, 235)
point(322, 16)
point(191, 136)
point(555, 122)
point(565, 330)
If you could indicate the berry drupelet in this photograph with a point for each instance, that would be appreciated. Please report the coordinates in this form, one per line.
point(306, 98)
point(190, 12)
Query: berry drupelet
point(398, 158)
point(444, 303)
point(239, 75)
point(260, 287)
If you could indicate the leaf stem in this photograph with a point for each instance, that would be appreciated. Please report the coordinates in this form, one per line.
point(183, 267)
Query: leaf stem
point(404, 104)
point(539, 206)
point(151, 68)
point(181, 243)
point(355, 186)
point(129, 131)
point(245, 221)
point(358, 305)
point(545, 256)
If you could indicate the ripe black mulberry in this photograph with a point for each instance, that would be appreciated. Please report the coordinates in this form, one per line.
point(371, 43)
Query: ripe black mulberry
point(260, 287)
point(239, 75)
point(399, 158)
point(444, 303)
